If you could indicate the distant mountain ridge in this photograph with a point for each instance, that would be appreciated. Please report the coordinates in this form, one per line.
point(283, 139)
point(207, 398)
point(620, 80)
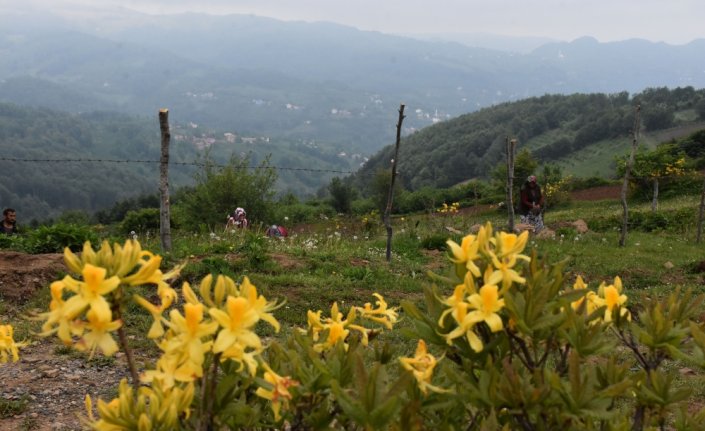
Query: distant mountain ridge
point(324, 82)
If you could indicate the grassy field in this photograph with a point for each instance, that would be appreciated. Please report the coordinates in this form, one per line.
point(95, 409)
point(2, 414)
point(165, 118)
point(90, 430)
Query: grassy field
point(340, 261)
point(597, 160)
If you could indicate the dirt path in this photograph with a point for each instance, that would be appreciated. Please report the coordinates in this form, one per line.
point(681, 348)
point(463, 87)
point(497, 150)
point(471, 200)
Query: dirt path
point(52, 387)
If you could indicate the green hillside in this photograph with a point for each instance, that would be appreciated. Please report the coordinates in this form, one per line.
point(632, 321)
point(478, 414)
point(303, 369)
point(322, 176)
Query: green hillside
point(580, 132)
point(38, 187)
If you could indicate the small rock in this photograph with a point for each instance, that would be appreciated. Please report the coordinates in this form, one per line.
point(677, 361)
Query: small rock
point(686, 372)
point(546, 233)
point(453, 230)
point(50, 373)
point(580, 226)
point(668, 265)
point(521, 227)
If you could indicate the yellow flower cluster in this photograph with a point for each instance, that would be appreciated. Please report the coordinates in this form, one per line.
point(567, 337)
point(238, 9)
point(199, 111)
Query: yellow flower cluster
point(234, 310)
point(337, 328)
point(608, 296)
point(421, 367)
point(8, 345)
point(449, 209)
point(81, 312)
point(676, 168)
point(468, 306)
point(154, 407)
point(279, 393)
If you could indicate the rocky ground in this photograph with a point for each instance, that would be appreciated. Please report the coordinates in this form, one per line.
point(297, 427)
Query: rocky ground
point(46, 389)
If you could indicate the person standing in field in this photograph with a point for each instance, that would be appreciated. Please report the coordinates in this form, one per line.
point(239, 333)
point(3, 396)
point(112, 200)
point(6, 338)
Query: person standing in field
point(531, 204)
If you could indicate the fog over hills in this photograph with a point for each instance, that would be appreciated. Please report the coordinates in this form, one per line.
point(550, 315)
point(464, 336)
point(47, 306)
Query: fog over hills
point(326, 85)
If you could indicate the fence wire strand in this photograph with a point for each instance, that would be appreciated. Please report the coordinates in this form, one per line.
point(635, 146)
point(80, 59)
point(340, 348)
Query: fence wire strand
point(199, 164)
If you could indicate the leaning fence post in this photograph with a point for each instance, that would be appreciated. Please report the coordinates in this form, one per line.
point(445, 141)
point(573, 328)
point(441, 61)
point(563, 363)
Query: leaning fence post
point(390, 195)
point(627, 172)
point(701, 212)
point(164, 211)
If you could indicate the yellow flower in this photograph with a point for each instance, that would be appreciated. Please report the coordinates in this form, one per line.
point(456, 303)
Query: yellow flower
point(421, 367)
point(591, 300)
point(337, 327)
point(465, 324)
point(382, 314)
point(458, 306)
point(486, 304)
point(612, 299)
point(156, 330)
point(509, 244)
point(466, 253)
point(169, 371)
point(479, 307)
point(185, 338)
point(236, 335)
point(57, 315)
point(118, 261)
point(259, 303)
point(279, 394)
point(155, 407)
point(98, 335)
point(505, 271)
point(8, 345)
point(90, 293)
point(242, 353)
point(148, 272)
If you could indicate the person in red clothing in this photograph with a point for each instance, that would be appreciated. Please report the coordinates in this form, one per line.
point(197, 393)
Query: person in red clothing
point(531, 204)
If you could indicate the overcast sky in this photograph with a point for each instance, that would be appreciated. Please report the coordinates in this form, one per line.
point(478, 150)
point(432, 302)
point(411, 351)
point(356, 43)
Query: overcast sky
point(671, 21)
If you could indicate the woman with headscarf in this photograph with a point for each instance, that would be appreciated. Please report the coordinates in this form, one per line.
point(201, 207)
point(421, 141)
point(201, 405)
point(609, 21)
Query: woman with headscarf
point(531, 203)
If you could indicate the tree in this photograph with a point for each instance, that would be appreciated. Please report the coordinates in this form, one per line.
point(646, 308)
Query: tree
point(700, 108)
point(653, 166)
point(342, 195)
point(524, 165)
point(220, 189)
point(658, 117)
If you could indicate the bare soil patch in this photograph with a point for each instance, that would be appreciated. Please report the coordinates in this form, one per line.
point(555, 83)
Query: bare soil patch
point(597, 193)
point(21, 275)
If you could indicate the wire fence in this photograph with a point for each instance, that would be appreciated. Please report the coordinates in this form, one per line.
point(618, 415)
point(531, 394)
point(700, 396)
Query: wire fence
point(199, 164)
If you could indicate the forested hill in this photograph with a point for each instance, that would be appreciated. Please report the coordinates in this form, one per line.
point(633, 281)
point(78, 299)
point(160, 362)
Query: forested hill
point(552, 127)
point(41, 189)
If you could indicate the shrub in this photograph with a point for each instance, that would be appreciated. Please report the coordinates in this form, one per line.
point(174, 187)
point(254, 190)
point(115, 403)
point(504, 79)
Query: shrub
point(434, 242)
point(141, 221)
point(53, 239)
point(287, 215)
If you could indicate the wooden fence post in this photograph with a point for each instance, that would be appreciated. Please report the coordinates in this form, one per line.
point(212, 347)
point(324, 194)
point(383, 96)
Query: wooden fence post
point(164, 211)
point(627, 171)
point(390, 195)
point(701, 212)
point(511, 145)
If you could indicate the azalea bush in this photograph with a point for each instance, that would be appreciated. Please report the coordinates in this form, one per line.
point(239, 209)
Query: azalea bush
point(506, 340)
point(9, 348)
